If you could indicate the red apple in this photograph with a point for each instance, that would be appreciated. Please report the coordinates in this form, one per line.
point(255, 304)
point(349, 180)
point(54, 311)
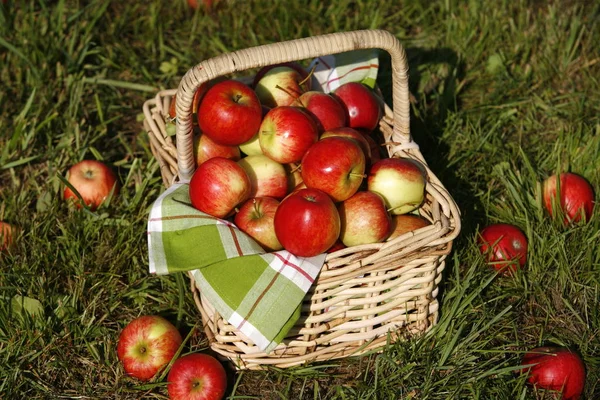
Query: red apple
point(146, 345)
point(335, 165)
point(338, 245)
point(198, 95)
point(194, 3)
point(326, 109)
point(505, 246)
point(6, 235)
point(197, 376)
point(230, 113)
point(557, 369)
point(362, 105)
point(256, 218)
point(286, 133)
point(218, 186)
point(280, 86)
point(94, 181)
point(401, 183)
point(307, 222)
point(351, 134)
point(206, 148)
point(404, 223)
point(576, 196)
point(267, 177)
point(364, 219)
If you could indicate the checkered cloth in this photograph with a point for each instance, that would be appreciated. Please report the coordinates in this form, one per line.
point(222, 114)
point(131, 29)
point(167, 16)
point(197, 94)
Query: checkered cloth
point(257, 292)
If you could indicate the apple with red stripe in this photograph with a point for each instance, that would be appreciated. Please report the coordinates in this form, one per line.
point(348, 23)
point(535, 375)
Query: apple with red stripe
point(146, 345)
point(286, 133)
point(364, 219)
point(280, 85)
point(230, 113)
point(307, 222)
point(326, 109)
point(218, 186)
point(205, 148)
point(363, 107)
point(405, 223)
point(93, 180)
point(256, 218)
point(335, 165)
point(197, 376)
point(268, 178)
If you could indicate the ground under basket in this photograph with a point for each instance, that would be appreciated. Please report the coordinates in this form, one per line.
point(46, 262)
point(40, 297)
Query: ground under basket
point(365, 295)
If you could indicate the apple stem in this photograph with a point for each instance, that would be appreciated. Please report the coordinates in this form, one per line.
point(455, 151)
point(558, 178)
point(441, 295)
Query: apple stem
point(310, 74)
point(288, 92)
point(355, 174)
point(237, 98)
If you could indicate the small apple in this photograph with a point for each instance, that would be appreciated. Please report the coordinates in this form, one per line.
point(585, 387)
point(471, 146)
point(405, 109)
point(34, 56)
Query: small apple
point(197, 376)
point(576, 197)
point(286, 133)
point(280, 86)
point(267, 177)
point(362, 105)
point(6, 235)
point(555, 368)
point(364, 219)
point(307, 222)
point(326, 109)
point(230, 113)
point(94, 181)
point(351, 134)
point(206, 148)
point(256, 218)
point(146, 345)
point(335, 165)
point(401, 183)
point(218, 186)
point(404, 223)
point(505, 246)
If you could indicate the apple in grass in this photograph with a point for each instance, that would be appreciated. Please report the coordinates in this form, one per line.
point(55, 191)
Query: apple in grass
point(326, 109)
point(146, 345)
point(570, 193)
point(281, 86)
point(256, 218)
point(307, 222)
point(230, 113)
point(364, 219)
point(206, 148)
point(405, 223)
point(363, 107)
point(93, 180)
point(267, 177)
point(197, 376)
point(286, 133)
point(6, 235)
point(505, 247)
point(557, 369)
point(335, 165)
point(401, 183)
point(218, 186)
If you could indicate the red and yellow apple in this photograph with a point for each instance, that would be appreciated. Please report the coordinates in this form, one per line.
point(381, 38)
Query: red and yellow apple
point(326, 109)
point(206, 148)
point(281, 86)
point(256, 218)
point(94, 181)
point(218, 186)
point(197, 376)
point(363, 107)
point(404, 223)
point(364, 219)
point(146, 345)
point(267, 177)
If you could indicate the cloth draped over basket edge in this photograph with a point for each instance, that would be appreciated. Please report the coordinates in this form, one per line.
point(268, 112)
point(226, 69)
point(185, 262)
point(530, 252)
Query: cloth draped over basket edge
point(259, 293)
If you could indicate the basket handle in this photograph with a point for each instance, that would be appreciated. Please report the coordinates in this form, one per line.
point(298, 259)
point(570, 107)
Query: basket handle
point(292, 50)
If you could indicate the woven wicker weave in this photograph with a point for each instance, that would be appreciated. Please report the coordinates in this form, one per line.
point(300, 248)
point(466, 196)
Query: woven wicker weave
point(365, 295)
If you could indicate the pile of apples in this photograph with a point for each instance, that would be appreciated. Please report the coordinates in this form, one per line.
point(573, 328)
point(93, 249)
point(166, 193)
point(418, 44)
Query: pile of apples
point(297, 168)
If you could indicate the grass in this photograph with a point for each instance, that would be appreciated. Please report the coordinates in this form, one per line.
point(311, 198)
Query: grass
point(505, 94)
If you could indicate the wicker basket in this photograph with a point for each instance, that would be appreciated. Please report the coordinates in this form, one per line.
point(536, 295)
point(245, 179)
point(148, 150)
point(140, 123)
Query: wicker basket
point(365, 295)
